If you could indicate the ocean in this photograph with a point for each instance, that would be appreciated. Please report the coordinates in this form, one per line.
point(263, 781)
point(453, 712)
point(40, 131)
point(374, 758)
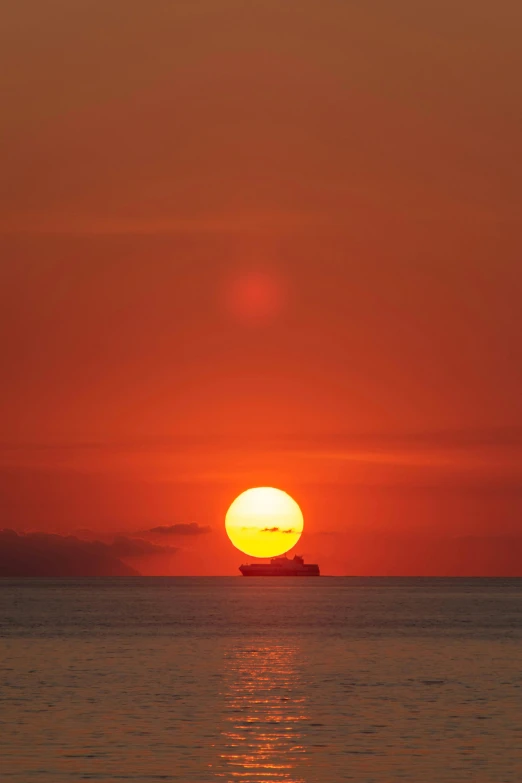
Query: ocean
point(261, 680)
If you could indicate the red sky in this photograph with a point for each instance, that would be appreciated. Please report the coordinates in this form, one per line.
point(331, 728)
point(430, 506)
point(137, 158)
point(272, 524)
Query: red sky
point(264, 243)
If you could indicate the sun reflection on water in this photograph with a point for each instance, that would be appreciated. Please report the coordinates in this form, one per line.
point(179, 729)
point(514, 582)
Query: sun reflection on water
point(264, 712)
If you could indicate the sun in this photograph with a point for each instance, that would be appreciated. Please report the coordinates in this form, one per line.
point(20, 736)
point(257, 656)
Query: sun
point(264, 522)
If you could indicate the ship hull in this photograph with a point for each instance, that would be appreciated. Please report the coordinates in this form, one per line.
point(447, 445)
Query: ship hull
point(268, 571)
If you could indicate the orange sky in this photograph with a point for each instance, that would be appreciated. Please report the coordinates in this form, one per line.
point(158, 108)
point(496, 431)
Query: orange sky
point(264, 243)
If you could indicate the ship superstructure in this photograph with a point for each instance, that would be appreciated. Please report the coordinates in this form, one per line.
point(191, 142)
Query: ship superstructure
point(281, 566)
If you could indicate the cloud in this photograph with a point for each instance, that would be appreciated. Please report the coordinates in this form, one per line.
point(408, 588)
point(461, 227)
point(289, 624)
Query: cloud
point(124, 546)
point(43, 481)
point(473, 456)
point(45, 554)
point(181, 529)
point(48, 223)
point(277, 530)
point(49, 554)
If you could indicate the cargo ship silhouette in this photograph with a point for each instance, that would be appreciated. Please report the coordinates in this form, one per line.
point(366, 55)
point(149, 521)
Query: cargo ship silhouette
point(281, 566)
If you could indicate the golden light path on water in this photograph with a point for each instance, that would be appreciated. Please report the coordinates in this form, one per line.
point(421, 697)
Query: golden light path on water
point(264, 711)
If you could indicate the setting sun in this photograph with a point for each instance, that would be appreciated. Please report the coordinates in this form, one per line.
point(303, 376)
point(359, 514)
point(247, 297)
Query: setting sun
point(264, 522)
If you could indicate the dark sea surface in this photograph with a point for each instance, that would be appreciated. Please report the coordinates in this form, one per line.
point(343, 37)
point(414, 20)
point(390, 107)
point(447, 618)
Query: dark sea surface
point(261, 680)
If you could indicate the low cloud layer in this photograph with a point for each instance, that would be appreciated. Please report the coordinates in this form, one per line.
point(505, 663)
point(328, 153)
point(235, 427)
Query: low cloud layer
point(125, 546)
point(46, 554)
point(181, 529)
point(277, 530)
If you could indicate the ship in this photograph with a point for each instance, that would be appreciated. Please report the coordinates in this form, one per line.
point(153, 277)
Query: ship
point(281, 566)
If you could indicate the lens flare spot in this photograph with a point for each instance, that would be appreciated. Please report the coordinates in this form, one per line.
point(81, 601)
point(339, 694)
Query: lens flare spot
point(255, 297)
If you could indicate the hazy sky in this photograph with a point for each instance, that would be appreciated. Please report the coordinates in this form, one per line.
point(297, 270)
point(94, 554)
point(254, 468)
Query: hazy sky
point(278, 243)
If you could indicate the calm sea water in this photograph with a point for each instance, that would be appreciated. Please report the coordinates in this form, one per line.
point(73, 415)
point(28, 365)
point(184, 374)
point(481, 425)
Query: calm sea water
point(261, 681)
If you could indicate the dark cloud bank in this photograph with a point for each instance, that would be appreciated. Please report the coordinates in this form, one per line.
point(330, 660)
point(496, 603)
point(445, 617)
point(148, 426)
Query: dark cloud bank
point(181, 529)
point(45, 554)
